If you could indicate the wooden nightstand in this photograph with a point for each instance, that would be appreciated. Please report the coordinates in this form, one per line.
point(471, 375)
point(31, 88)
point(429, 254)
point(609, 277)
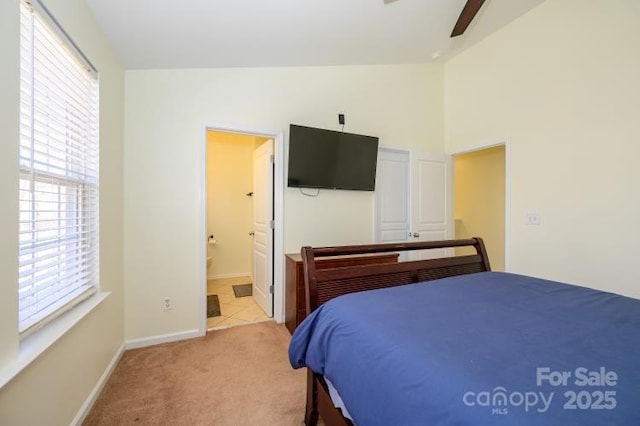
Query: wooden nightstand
point(295, 309)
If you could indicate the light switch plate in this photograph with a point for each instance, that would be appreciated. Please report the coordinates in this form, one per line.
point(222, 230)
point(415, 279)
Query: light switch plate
point(533, 219)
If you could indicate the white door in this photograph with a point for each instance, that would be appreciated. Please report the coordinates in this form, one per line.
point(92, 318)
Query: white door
point(393, 216)
point(431, 201)
point(413, 198)
point(263, 226)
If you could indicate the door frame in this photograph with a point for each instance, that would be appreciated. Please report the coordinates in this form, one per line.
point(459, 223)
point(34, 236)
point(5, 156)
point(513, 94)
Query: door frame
point(506, 142)
point(278, 217)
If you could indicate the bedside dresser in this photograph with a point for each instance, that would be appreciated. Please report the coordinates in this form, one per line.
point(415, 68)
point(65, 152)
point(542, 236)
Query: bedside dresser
point(295, 306)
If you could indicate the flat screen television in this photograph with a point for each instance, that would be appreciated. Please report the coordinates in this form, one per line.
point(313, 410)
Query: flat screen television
point(320, 158)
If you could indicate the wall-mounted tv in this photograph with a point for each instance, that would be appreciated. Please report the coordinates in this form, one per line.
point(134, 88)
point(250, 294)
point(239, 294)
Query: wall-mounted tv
point(320, 158)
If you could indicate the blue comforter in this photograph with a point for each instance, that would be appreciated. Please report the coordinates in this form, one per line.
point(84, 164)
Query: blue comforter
point(486, 348)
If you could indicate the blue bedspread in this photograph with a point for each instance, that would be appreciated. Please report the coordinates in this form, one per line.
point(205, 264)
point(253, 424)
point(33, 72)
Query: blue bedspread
point(486, 348)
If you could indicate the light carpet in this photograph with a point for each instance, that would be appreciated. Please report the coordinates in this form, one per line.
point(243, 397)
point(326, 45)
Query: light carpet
point(235, 376)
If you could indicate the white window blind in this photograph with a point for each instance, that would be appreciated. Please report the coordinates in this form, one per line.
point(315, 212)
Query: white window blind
point(58, 230)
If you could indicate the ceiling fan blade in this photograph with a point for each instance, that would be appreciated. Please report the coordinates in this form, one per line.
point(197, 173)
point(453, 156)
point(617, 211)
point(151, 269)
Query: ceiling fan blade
point(466, 16)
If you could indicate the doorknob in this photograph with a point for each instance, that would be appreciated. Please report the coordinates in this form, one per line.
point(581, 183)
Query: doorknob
point(416, 234)
point(252, 233)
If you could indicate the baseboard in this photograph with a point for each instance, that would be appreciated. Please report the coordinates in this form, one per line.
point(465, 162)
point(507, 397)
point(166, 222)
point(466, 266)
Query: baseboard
point(219, 276)
point(93, 396)
point(164, 338)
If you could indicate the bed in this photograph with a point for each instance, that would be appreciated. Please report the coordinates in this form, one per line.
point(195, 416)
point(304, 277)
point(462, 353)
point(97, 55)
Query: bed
point(447, 341)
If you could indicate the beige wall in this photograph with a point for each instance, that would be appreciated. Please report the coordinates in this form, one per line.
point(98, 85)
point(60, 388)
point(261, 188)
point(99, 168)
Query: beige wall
point(52, 389)
point(479, 200)
point(229, 209)
point(561, 83)
point(166, 111)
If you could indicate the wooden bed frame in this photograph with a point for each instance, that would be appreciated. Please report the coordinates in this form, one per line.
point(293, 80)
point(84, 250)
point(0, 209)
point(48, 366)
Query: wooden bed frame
point(323, 285)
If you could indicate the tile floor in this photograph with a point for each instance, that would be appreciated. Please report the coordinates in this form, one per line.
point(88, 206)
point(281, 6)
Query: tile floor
point(234, 310)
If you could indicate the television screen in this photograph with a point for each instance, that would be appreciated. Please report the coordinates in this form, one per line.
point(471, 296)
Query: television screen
point(321, 158)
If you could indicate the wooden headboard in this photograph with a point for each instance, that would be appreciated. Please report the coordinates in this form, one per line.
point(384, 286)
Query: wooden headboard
point(323, 285)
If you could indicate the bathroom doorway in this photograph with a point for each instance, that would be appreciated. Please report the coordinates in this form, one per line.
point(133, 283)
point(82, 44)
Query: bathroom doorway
point(238, 244)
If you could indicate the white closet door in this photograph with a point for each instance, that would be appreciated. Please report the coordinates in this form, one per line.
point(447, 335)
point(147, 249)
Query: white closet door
point(431, 200)
point(392, 196)
point(413, 200)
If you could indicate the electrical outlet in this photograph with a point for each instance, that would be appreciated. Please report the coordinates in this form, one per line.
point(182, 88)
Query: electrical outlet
point(168, 304)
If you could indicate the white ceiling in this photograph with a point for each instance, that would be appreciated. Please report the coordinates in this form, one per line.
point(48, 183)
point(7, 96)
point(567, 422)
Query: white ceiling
point(148, 34)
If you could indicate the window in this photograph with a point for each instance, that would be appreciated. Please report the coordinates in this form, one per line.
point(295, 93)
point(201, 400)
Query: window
point(58, 229)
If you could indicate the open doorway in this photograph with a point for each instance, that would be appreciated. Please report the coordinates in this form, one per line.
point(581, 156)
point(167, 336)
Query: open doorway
point(240, 180)
point(481, 200)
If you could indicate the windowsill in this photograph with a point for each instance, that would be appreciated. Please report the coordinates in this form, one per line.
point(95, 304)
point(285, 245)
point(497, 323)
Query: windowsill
point(37, 343)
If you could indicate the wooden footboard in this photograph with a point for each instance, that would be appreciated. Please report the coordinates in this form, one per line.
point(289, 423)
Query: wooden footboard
point(323, 285)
